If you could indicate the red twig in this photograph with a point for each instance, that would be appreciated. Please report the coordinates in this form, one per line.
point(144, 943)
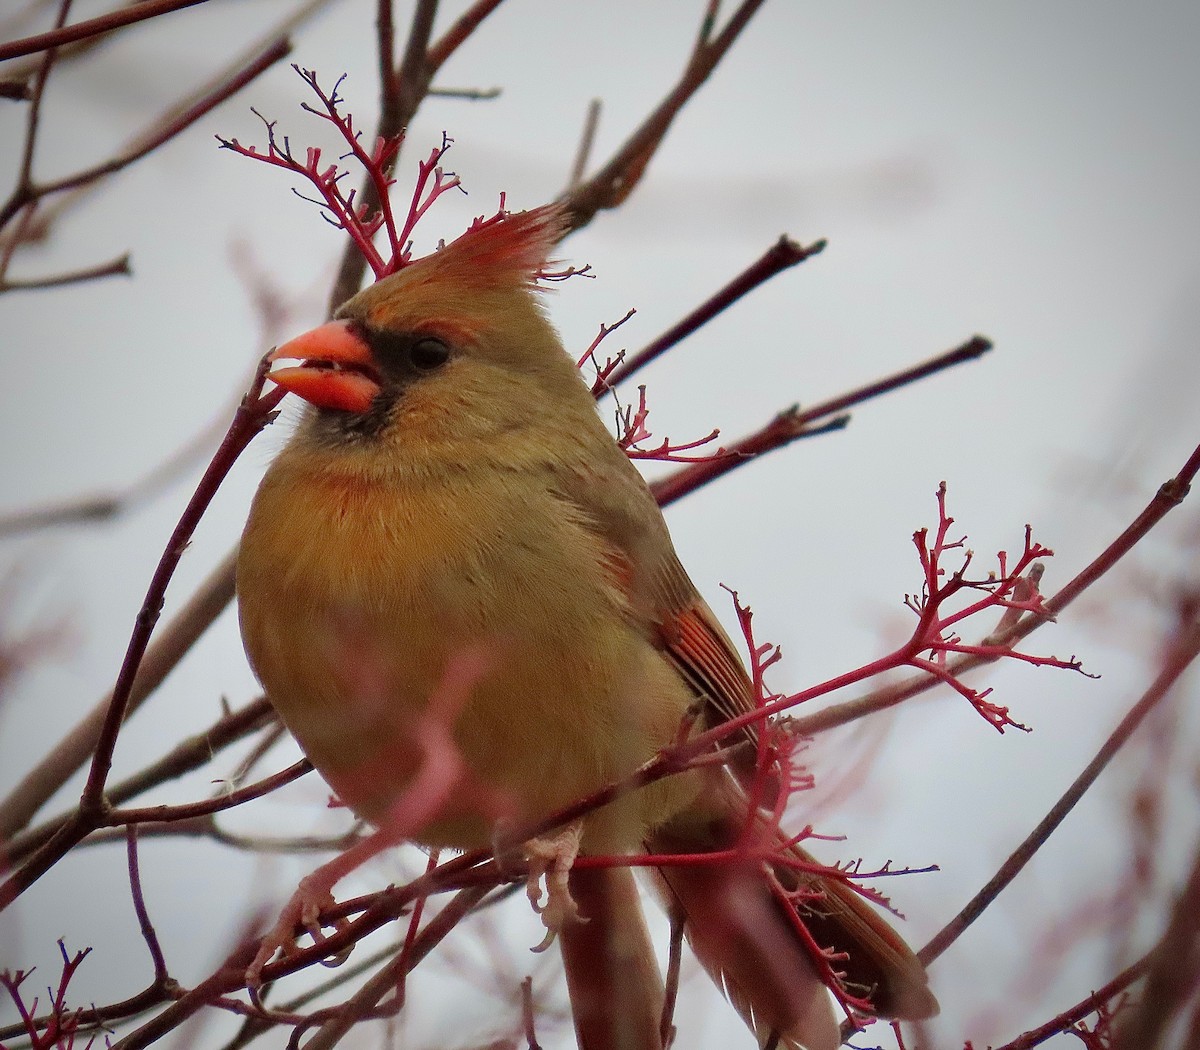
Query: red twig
point(631, 424)
point(1063, 1021)
point(57, 1029)
point(1169, 496)
point(361, 221)
point(603, 371)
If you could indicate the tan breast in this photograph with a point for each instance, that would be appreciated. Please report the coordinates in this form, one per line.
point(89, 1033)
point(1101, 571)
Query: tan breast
point(356, 596)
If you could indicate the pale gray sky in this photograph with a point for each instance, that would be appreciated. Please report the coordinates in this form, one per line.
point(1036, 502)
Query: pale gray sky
point(1026, 170)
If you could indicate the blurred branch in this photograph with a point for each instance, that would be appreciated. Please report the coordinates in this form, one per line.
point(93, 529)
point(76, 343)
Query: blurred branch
point(1172, 974)
point(104, 507)
point(118, 267)
point(586, 141)
point(27, 193)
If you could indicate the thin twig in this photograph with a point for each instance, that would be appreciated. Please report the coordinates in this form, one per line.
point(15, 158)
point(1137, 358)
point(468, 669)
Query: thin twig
point(782, 255)
point(118, 267)
point(222, 802)
point(794, 423)
point(161, 976)
point(586, 140)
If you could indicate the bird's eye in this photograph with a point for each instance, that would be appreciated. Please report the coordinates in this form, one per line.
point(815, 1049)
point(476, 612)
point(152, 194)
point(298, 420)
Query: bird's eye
point(428, 353)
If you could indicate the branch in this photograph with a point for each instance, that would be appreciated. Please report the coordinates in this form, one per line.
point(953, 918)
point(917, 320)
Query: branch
point(1060, 1024)
point(792, 423)
point(190, 754)
point(1183, 651)
point(1169, 496)
point(118, 267)
point(93, 26)
point(256, 411)
point(49, 213)
point(613, 183)
point(782, 255)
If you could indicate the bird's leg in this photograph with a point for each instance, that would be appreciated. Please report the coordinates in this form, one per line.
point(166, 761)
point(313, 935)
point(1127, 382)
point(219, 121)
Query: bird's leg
point(313, 894)
point(551, 858)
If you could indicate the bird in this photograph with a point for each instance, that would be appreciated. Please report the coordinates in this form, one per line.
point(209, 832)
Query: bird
point(453, 516)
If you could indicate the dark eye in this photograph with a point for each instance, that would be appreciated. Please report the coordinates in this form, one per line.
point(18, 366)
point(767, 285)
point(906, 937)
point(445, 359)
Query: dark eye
point(428, 353)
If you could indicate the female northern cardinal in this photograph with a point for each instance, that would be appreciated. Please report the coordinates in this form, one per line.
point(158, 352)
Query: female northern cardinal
point(451, 492)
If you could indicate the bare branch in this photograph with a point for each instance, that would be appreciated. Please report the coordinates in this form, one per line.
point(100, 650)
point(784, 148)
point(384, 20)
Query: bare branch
point(1169, 496)
point(613, 183)
point(1184, 649)
point(118, 267)
point(792, 423)
point(782, 255)
point(93, 26)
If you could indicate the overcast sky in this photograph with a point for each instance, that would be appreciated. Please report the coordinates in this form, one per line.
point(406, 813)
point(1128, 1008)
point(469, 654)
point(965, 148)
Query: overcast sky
point(1024, 170)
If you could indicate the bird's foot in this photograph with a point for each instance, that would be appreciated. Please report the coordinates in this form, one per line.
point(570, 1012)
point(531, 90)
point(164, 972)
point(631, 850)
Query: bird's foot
point(550, 858)
point(313, 895)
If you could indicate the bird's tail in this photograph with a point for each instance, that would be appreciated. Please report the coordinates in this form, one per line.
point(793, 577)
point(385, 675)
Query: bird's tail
point(744, 920)
point(612, 977)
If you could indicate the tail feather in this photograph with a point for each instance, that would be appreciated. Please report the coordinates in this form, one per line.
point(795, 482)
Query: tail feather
point(741, 937)
point(745, 933)
point(613, 978)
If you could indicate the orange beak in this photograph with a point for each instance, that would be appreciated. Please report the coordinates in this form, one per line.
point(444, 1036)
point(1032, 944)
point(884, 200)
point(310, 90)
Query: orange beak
point(337, 370)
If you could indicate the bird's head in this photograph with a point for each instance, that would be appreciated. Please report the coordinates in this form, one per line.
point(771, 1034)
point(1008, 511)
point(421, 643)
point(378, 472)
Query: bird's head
point(454, 346)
